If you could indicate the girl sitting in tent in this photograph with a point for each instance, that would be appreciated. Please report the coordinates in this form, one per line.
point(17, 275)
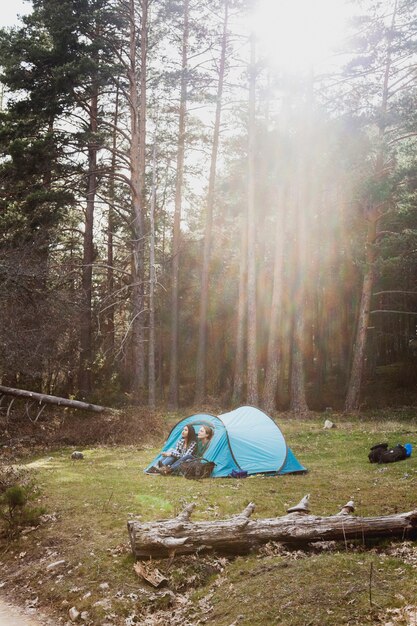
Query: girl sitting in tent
point(184, 449)
point(187, 448)
point(204, 437)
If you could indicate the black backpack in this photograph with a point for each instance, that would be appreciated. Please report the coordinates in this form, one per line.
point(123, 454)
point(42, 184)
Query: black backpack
point(376, 451)
point(381, 454)
point(398, 453)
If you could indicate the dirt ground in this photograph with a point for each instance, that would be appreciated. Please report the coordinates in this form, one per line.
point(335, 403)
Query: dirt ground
point(11, 616)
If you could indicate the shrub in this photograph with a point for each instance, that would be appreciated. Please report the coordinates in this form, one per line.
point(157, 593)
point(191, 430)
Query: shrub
point(17, 489)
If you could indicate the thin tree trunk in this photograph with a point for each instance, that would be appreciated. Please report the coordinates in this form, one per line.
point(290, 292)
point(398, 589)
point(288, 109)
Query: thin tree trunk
point(109, 324)
point(86, 334)
point(252, 363)
point(303, 202)
point(358, 358)
point(239, 374)
point(344, 296)
point(144, 4)
point(204, 298)
point(176, 243)
point(274, 352)
point(41, 258)
point(137, 180)
point(298, 402)
point(152, 283)
point(373, 216)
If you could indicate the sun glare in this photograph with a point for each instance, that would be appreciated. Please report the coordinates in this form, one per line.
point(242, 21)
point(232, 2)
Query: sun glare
point(296, 36)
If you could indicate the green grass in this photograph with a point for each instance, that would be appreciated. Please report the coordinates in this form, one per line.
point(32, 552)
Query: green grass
point(92, 499)
point(319, 589)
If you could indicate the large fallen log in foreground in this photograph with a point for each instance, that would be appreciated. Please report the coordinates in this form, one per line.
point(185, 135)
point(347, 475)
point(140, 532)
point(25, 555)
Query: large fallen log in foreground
point(239, 534)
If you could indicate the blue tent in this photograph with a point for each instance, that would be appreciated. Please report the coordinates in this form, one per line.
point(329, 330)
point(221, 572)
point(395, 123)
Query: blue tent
point(245, 439)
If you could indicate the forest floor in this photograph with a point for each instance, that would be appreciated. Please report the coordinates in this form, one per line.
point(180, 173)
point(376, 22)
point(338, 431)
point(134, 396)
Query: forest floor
point(80, 556)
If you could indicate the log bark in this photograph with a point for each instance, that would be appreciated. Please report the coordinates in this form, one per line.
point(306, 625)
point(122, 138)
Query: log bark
point(240, 534)
point(42, 398)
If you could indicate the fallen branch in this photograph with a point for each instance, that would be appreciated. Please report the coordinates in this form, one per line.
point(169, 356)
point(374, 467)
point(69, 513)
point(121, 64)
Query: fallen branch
point(240, 534)
point(43, 399)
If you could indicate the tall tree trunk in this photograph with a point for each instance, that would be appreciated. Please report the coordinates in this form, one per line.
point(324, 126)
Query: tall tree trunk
point(152, 283)
point(274, 352)
point(144, 4)
point(298, 402)
point(36, 380)
point(109, 317)
point(204, 297)
point(137, 147)
point(239, 375)
point(86, 334)
point(344, 296)
point(358, 357)
point(252, 365)
point(176, 242)
point(373, 216)
point(303, 194)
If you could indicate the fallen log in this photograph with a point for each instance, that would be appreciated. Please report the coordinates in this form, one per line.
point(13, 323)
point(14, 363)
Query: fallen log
point(239, 534)
point(43, 399)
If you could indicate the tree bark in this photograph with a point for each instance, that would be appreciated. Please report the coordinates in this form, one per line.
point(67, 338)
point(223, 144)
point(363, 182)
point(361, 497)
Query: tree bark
point(137, 131)
point(144, 4)
point(238, 382)
point(252, 364)
point(204, 299)
point(373, 216)
point(303, 201)
point(152, 283)
point(109, 316)
point(42, 398)
point(86, 330)
point(298, 402)
point(274, 352)
point(176, 242)
point(358, 358)
point(240, 535)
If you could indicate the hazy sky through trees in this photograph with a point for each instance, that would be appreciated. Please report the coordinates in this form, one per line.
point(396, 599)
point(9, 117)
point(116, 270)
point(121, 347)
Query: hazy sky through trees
point(294, 34)
point(10, 11)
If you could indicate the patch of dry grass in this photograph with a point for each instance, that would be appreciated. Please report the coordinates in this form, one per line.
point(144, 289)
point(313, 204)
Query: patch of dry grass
point(319, 590)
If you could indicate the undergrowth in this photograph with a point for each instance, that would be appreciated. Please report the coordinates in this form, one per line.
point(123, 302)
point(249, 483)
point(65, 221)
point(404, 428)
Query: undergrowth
point(18, 489)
